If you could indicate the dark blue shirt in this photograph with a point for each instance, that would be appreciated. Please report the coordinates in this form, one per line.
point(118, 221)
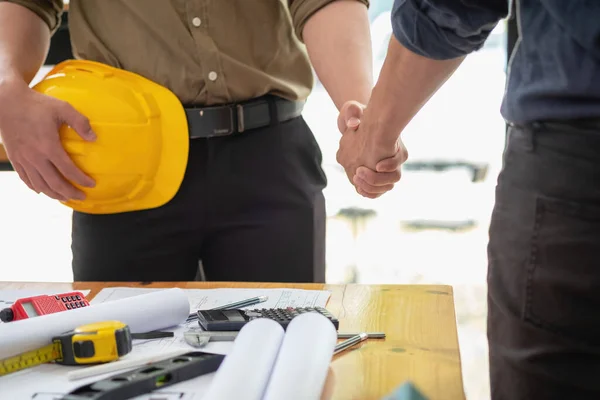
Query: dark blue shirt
point(554, 71)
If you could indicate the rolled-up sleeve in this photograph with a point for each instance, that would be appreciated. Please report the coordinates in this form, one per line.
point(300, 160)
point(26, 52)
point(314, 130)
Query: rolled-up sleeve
point(302, 10)
point(445, 29)
point(50, 11)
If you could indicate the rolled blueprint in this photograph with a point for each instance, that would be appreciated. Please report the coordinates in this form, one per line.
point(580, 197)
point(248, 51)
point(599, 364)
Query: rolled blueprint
point(245, 371)
point(303, 361)
point(146, 312)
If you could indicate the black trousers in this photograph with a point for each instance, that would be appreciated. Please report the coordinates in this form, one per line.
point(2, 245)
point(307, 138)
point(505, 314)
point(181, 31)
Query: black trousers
point(544, 265)
point(251, 208)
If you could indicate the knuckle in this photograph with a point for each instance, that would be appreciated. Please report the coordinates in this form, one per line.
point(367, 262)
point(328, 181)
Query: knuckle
point(369, 175)
point(65, 106)
point(60, 110)
point(64, 163)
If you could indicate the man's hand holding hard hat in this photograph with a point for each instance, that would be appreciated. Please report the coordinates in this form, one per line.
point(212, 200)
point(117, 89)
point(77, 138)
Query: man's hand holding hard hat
point(29, 127)
point(120, 139)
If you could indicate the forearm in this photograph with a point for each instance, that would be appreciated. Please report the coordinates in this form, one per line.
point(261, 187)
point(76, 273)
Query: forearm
point(406, 82)
point(24, 42)
point(338, 41)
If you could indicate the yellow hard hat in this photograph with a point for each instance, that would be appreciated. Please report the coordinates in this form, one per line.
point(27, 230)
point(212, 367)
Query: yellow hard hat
point(140, 155)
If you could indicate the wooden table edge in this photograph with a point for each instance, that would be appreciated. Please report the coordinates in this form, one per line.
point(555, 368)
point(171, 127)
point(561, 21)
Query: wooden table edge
point(96, 286)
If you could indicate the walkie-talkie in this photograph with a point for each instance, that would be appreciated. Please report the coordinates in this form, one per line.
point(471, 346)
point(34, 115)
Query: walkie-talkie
point(41, 305)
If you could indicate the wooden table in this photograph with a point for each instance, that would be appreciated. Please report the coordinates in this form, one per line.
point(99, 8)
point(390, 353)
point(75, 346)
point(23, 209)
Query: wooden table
point(421, 342)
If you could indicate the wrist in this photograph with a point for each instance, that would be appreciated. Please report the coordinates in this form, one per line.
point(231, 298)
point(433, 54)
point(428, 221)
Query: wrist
point(10, 78)
point(10, 88)
point(383, 118)
point(360, 95)
point(381, 134)
point(363, 92)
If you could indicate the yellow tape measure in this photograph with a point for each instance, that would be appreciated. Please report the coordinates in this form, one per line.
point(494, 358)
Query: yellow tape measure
point(89, 344)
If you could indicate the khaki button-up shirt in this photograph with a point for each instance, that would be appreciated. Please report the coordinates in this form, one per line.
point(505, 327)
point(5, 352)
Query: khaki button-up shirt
point(206, 51)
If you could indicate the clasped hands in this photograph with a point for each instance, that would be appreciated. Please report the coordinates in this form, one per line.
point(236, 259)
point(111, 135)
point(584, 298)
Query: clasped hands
point(371, 159)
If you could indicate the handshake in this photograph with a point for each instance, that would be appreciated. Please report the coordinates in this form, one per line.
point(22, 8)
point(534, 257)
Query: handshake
point(370, 156)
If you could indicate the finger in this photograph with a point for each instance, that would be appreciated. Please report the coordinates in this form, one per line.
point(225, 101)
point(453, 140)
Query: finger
point(23, 175)
point(70, 116)
point(353, 124)
point(366, 187)
point(69, 170)
point(58, 183)
point(378, 178)
point(41, 186)
point(368, 195)
point(353, 110)
point(350, 116)
point(393, 163)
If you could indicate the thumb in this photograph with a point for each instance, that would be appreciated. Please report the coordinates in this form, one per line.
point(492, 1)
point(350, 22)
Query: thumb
point(70, 116)
point(350, 115)
point(390, 164)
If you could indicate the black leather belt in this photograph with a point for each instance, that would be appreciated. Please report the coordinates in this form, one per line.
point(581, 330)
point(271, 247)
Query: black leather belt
point(581, 123)
point(207, 122)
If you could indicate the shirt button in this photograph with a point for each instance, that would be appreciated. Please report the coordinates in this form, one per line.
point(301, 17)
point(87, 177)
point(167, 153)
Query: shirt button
point(212, 75)
point(196, 21)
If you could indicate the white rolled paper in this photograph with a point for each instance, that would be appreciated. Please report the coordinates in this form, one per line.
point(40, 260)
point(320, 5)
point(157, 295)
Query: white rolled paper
point(303, 361)
point(147, 312)
point(245, 371)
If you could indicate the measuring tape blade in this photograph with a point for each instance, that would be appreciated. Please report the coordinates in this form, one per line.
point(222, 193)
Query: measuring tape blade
point(30, 359)
point(88, 344)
